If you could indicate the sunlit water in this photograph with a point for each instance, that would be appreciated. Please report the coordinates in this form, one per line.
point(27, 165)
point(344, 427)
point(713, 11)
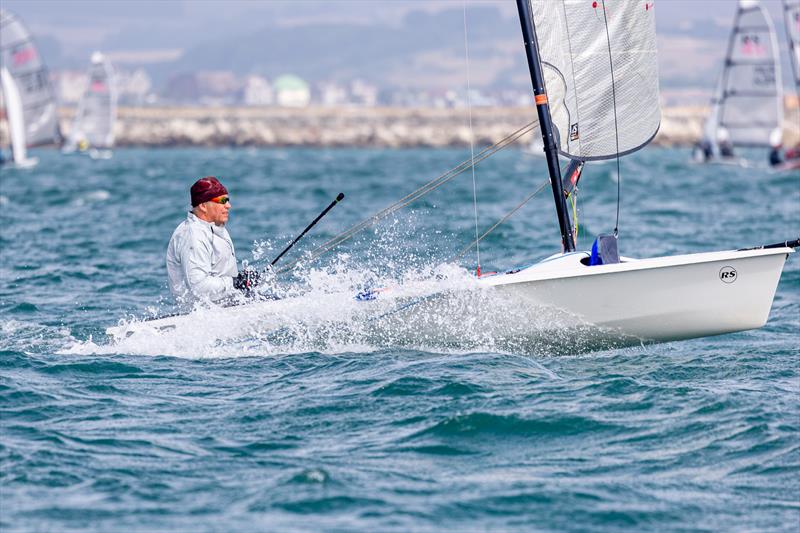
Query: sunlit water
point(337, 419)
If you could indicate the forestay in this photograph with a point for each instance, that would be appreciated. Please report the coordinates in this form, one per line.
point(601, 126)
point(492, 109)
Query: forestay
point(19, 55)
point(748, 106)
point(97, 111)
point(601, 74)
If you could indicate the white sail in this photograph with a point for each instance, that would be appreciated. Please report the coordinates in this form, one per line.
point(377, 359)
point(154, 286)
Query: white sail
point(19, 55)
point(601, 72)
point(747, 109)
point(791, 15)
point(16, 119)
point(97, 111)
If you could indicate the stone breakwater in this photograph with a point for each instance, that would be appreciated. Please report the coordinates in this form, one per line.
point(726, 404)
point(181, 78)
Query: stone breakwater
point(340, 127)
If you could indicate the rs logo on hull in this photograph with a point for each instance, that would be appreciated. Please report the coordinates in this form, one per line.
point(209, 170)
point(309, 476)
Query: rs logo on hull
point(727, 274)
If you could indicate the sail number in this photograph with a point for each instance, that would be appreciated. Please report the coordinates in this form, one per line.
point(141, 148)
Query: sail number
point(727, 274)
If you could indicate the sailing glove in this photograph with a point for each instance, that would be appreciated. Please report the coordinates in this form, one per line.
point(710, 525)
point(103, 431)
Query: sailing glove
point(247, 280)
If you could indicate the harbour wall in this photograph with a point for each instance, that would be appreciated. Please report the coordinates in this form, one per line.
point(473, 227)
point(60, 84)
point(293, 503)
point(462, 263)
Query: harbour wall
point(359, 126)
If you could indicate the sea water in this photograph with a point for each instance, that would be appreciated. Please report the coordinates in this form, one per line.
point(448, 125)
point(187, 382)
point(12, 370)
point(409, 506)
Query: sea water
point(325, 425)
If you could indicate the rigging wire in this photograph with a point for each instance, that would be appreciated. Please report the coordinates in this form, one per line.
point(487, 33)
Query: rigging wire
point(616, 125)
point(413, 196)
point(472, 146)
point(476, 242)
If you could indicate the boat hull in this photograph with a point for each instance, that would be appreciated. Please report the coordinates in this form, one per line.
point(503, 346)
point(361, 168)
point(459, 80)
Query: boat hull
point(657, 300)
point(559, 305)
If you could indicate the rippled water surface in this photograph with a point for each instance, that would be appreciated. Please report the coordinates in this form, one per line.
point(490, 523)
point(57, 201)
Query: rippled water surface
point(327, 422)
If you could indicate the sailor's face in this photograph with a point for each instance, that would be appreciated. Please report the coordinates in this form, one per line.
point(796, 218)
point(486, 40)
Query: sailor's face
point(215, 212)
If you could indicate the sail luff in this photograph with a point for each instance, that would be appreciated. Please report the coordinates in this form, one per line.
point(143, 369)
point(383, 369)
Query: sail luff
point(15, 116)
point(545, 121)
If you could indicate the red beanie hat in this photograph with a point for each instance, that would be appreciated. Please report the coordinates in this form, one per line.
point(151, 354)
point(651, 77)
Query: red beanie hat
point(205, 189)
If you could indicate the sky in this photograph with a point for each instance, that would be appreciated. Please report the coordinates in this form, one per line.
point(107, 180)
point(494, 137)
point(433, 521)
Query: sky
point(692, 33)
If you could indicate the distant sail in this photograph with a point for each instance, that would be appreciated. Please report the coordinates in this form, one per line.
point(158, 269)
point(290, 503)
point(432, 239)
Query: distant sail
point(791, 14)
point(97, 111)
point(748, 105)
point(601, 71)
point(16, 120)
point(19, 55)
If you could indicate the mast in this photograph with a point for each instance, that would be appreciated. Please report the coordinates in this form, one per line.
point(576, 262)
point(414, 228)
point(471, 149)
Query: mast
point(545, 122)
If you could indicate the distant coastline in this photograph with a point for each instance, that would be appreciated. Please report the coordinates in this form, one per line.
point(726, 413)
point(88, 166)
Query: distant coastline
point(358, 126)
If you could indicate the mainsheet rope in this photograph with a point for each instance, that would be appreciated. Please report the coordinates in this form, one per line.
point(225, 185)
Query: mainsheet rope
point(413, 196)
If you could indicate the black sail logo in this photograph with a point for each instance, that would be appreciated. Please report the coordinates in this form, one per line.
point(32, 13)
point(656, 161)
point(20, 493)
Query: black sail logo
point(728, 274)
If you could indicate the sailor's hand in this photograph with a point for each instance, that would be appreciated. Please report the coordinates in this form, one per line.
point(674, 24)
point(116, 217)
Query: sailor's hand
point(247, 280)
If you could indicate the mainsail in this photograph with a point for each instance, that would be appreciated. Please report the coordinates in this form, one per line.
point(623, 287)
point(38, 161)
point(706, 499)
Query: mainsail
point(601, 72)
point(97, 111)
point(748, 105)
point(791, 14)
point(19, 55)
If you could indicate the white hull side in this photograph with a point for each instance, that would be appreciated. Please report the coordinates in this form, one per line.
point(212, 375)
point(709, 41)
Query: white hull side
point(661, 299)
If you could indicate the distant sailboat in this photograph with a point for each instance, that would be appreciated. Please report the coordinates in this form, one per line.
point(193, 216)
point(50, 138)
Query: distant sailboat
point(747, 107)
point(16, 121)
point(93, 127)
point(19, 56)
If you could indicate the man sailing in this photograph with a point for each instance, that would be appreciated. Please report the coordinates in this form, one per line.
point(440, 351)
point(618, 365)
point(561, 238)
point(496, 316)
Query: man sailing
point(201, 260)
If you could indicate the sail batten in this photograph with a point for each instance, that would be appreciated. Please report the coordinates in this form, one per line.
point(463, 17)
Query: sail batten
point(601, 74)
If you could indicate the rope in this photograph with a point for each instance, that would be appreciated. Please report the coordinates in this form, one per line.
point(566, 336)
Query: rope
point(415, 195)
point(506, 217)
point(472, 147)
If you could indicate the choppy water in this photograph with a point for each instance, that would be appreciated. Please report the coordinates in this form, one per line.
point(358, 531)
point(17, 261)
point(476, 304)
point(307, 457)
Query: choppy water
point(330, 428)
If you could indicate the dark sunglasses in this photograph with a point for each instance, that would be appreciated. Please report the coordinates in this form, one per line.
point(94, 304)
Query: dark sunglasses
point(221, 200)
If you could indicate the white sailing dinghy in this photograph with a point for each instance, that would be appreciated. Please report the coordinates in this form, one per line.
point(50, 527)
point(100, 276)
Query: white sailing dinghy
point(606, 83)
point(747, 106)
point(604, 86)
point(16, 121)
point(19, 55)
point(93, 127)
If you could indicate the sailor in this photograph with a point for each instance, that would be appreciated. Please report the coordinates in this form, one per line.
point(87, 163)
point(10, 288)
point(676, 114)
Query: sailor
point(724, 143)
point(703, 151)
point(201, 260)
point(776, 147)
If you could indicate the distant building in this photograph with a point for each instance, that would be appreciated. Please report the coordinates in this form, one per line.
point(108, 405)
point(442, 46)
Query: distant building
point(134, 88)
point(332, 94)
point(217, 83)
point(363, 93)
point(212, 87)
point(182, 88)
point(70, 85)
point(291, 91)
point(257, 91)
